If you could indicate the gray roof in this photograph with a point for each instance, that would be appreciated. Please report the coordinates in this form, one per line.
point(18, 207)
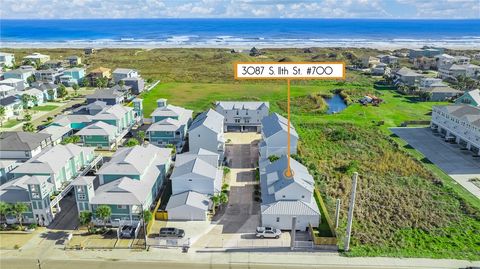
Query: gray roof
point(443, 90)
point(123, 70)
point(9, 100)
point(465, 112)
point(6, 163)
point(475, 95)
point(72, 118)
point(203, 164)
point(123, 191)
point(98, 128)
point(57, 131)
point(298, 208)
point(16, 190)
point(190, 198)
point(132, 161)
point(21, 141)
point(18, 71)
point(210, 119)
point(229, 105)
point(51, 160)
point(184, 115)
point(405, 71)
point(115, 112)
point(105, 94)
point(44, 85)
point(275, 123)
point(165, 125)
point(123, 88)
point(85, 180)
point(275, 172)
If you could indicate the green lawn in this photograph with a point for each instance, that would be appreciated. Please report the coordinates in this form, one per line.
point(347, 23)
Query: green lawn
point(44, 108)
point(10, 123)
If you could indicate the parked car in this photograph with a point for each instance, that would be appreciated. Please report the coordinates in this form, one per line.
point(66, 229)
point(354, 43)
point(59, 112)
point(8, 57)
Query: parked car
point(127, 232)
point(268, 232)
point(171, 232)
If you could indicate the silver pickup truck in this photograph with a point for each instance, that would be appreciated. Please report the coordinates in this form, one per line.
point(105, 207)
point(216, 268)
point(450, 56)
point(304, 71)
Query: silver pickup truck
point(268, 232)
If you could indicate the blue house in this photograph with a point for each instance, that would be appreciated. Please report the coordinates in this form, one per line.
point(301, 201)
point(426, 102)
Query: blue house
point(72, 76)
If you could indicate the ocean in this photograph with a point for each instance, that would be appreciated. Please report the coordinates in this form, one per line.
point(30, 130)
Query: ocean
point(239, 33)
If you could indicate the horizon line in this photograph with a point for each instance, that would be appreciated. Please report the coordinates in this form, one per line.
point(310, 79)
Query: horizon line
point(242, 18)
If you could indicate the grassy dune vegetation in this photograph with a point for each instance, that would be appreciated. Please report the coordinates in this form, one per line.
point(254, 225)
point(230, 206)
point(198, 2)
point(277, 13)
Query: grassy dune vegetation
point(405, 205)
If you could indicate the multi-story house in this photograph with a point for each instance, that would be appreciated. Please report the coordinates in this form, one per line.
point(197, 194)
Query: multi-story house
point(128, 184)
point(99, 73)
point(388, 59)
point(286, 197)
point(195, 178)
point(242, 116)
point(122, 117)
point(7, 59)
point(459, 124)
point(36, 58)
point(170, 124)
point(425, 52)
point(74, 60)
point(13, 106)
point(72, 76)
point(100, 135)
point(110, 96)
point(23, 145)
point(49, 75)
point(19, 73)
point(61, 163)
point(470, 98)
point(207, 132)
point(408, 77)
point(16, 83)
point(275, 137)
point(121, 73)
point(6, 90)
point(36, 94)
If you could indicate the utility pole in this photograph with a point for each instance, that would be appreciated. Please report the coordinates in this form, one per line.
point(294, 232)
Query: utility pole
point(350, 212)
point(337, 213)
point(294, 227)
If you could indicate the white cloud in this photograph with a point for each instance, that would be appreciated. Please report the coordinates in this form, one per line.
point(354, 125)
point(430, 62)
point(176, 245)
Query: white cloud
point(40, 9)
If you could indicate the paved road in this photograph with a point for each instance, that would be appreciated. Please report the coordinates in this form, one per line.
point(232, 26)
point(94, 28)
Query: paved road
point(458, 164)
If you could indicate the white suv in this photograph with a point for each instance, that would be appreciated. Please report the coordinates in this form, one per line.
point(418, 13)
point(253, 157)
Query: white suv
point(268, 232)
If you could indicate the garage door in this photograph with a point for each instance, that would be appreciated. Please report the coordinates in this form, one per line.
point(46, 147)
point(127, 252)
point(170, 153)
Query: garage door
point(234, 129)
point(252, 129)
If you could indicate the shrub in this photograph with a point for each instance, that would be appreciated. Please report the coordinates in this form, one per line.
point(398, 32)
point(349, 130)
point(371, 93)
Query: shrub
point(273, 158)
point(32, 226)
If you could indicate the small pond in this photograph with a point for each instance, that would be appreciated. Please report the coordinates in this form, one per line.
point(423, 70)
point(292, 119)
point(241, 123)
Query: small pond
point(335, 104)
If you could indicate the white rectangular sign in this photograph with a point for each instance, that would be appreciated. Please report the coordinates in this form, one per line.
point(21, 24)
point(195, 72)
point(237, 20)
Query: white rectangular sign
point(289, 70)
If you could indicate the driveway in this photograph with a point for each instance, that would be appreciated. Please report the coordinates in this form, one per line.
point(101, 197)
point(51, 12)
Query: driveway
point(458, 164)
point(235, 224)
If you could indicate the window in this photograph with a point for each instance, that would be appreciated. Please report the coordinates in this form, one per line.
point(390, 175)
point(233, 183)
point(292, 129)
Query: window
point(303, 196)
point(189, 180)
point(283, 196)
point(121, 206)
point(81, 196)
point(278, 219)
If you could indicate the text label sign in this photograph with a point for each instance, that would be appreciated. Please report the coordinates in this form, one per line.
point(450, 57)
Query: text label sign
point(291, 70)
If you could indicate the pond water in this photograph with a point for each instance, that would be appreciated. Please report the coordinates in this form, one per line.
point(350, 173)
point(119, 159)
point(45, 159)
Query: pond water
point(335, 104)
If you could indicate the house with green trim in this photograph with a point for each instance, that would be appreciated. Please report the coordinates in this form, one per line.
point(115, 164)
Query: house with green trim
point(75, 121)
point(61, 163)
point(99, 134)
point(129, 183)
point(119, 116)
point(34, 192)
point(469, 98)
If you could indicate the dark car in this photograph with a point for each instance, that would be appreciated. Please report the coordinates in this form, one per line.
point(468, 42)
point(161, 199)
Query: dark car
point(168, 232)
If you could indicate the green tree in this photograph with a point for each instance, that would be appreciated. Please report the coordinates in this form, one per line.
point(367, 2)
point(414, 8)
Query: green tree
point(28, 127)
point(51, 94)
point(147, 216)
point(75, 88)
point(273, 158)
point(2, 115)
point(223, 198)
point(103, 212)
point(4, 210)
point(31, 79)
point(74, 139)
point(25, 100)
point(425, 96)
point(27, 117)
point(121, 83)
point(18, 209)
point(141, 136)
point(215, 200)
point(173, 147)
point(61, 91)
point(85, 218)
point(132, 142)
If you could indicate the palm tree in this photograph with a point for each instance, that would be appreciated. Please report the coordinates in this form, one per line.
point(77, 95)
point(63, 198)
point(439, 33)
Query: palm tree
point(85, 218)
point(223, 197)
point(141, 136)
point(4, 210)
point(18, 209)
point(25, 100)
point(103, 212)
point(132, 142)
point(75, 88)
point(51, 94)
point(28, 127)
point(215, 200)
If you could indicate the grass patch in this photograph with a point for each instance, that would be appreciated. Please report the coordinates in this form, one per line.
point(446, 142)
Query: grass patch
point(10, 123)
point(44, 108)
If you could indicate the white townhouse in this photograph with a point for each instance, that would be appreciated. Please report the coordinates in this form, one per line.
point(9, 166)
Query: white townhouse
point(196, 177)
point(242, 116)
point(23, 145)
point(207, 132)
point(121, 73)
point(286, 197)
point(37, 58)
point(7, 59)
point(458, 123)
point(275, 137)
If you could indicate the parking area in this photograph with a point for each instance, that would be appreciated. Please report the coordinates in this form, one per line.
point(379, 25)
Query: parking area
point(457, 163)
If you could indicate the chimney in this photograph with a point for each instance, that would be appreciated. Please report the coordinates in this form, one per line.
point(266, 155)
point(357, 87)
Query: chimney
point(161, 102)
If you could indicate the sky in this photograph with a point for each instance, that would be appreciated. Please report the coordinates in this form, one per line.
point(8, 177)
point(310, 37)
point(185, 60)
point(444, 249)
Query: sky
point(393, 9)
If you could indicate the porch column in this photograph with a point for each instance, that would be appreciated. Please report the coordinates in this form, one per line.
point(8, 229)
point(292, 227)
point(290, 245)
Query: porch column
point(58, 207)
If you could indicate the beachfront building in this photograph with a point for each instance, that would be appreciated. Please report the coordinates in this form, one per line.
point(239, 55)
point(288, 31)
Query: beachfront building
point(388, 59)
point(119, 116)
point(74, 60)
point(61, 163)
point(49, 75)
point(12, 105)
point(100, 135)
point(170, 124)
point(275, 137)
point(425, 63)
point(99, 73)
point(137, 84)
point(33, 191)
point(7, 59)
point(459, 124)
point(109, 96)
point(196, 177)
point(207, 132)
point(286, 197)
point(72, 76)
point(36, 58)
point(470, 98)
point(380, 69)
point(408, 77)
point(23, 145)
point(242, 116)
point(16, 83)
point(437, 94)
point(122, 73)
point(129, 184)
point(425, 52)
point(19, 73)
